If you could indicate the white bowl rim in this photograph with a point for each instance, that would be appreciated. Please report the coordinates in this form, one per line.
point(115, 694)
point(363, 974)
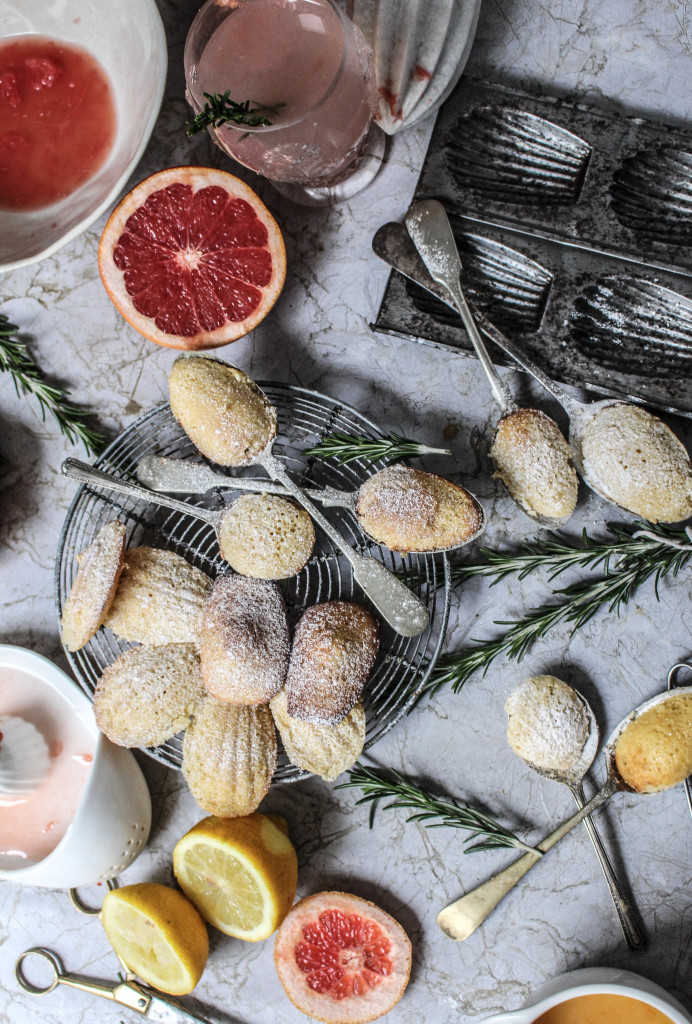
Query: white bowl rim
point(82, 225)
point(620, 982)
point(26, 660)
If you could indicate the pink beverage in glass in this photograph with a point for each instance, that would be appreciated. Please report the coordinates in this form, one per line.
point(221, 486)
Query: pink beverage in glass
point(305, 61)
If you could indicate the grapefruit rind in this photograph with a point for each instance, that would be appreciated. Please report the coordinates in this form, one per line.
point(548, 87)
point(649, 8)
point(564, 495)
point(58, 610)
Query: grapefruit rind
point(354, 1009)
point(113, 278)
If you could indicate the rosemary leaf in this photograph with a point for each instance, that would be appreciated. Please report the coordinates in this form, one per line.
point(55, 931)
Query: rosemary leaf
point(639, 559)
point(29, 378)
point(221, 109)
point(431, 811)
point(345, 448)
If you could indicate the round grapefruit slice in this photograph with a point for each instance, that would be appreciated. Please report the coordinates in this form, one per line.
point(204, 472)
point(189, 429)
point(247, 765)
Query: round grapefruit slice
point(341, 959)
point(192, 258)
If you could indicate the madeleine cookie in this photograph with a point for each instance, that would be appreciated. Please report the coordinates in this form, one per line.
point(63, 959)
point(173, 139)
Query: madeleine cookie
point(409, 510)
point(265, 536)
point(221, 410)
point(148, 694)
point(245, 643)
point(325, 750)
point(229, 757)
point(534, 462)
point(94, 586)
point(159, 599)
point(334, 649)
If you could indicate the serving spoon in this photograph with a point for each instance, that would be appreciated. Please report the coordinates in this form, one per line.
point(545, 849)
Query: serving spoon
point(573, 778)
point(393, 244)
point(461, 918)
point(160, 473)
point(398, 605)
point(431, 234)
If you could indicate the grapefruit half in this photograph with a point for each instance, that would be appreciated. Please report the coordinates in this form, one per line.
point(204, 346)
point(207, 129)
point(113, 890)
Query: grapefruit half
point(341, 959)
point(192, 258)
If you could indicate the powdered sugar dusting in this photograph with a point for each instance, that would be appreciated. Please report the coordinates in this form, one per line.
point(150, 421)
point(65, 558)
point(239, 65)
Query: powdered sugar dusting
point(549, 723)
point(635, 460)
point(532, 459)
point(334, 649)
point(245, 645)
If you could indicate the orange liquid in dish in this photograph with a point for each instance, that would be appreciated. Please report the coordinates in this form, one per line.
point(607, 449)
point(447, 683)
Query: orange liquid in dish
point(57, 121)
point(32, 826)
point(603, 1009)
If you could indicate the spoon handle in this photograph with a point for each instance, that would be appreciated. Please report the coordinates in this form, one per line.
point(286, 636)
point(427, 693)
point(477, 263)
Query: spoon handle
point(89, 475)
point(461, 918)
point(398, 605)
point(431, 232)
point(632, 930)
point(160, 473)
point(393, 244)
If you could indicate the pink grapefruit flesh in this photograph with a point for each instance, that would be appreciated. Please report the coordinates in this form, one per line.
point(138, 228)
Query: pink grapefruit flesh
point(192, 258)
point(341, 959)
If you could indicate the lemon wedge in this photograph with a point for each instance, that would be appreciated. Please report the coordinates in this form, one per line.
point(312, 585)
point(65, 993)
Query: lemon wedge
point(241, 873)
point(158, 934)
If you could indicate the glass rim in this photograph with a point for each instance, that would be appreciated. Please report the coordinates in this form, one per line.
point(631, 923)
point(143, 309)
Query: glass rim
point(265, 129)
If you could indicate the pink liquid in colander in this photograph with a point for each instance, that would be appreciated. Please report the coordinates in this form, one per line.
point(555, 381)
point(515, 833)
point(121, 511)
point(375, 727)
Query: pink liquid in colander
point(32, 826)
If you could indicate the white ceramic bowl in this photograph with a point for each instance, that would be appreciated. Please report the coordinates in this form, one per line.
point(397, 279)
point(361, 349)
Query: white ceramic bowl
point(111, 825)
point(592, 981)
point(127, 38)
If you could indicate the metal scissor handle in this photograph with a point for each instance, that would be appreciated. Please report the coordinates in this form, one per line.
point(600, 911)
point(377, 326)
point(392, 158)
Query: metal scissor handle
point(45, 954)
point(671, 685)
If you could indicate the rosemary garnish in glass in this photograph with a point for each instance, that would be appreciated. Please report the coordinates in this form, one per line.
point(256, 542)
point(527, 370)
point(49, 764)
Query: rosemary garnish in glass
point(221, 109)
point(29, 378)
point(634, 555)
point(345, 448)
point(432, 811)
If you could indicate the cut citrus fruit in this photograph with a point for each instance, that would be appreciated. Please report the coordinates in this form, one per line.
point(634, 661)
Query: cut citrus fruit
point(341, 959)
point(192, 258)
point(158, 934)
point(241, 874)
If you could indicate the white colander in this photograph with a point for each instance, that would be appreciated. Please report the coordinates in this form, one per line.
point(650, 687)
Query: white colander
point(111, 825)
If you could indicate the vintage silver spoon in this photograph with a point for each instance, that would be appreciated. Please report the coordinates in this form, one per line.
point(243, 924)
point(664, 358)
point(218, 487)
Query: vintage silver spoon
point(398, 605)
point(461, 918)
point(431, 233)
point(393, 245)
point(574, 780)
point(184, 477)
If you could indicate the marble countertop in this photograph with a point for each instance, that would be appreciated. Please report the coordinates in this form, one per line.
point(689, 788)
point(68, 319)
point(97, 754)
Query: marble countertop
point(633, 55)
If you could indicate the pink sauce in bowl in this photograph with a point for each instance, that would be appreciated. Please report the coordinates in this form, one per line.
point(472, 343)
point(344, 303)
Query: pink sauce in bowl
point(31, 827)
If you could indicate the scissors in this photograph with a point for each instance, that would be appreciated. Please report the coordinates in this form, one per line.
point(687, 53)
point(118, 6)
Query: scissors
point(128, 993)
point(671, 685)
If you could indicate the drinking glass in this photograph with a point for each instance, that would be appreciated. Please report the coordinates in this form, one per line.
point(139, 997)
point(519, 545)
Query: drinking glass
point(310, 70)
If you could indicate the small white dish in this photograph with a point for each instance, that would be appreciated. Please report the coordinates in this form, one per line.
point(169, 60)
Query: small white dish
point(111, 825)
point(128, 40)
point(595, 981)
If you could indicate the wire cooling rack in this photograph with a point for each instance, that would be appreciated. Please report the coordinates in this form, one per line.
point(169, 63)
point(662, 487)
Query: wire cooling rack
point(304, 417)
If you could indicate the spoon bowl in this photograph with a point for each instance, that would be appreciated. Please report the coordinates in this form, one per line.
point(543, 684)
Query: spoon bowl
point(573, 778)
point(461, 918)
point(431, 234)
point(184, 477)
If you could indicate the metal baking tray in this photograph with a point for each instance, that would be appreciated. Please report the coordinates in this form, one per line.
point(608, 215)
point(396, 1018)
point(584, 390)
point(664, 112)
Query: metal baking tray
point(575, 229)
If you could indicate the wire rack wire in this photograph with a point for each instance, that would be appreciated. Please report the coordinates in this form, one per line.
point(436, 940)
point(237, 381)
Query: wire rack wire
point(304, 418)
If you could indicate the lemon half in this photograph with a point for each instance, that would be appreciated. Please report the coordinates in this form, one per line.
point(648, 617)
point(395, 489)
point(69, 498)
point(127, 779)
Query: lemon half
point(157, 932)
point(241, 873)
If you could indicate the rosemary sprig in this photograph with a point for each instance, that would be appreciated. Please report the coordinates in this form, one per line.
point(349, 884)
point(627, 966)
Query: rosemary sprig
point(377, 785)
point(221, 109)
point(29, 378)
point(659, 552)
point(345, 448)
